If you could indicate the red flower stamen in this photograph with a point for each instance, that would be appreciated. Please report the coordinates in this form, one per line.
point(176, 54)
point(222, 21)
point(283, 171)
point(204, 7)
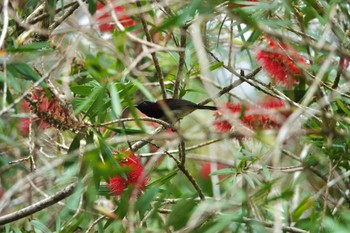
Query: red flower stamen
point(106, 23)
point(280, 60)
point(134, 175)
point(260, 116)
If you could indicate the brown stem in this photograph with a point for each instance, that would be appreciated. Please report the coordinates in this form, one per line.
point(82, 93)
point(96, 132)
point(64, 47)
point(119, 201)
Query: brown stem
point(183, 169)
point(154, 55)
point(64, 16)
point(38, 206)
point(181, 63)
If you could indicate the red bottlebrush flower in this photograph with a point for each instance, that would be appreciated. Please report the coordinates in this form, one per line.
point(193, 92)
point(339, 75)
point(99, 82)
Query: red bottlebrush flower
point(222, 125)
point(260, 116)
point(278, 61)
point(105, 22)
point(50, 111)
point(24, 122)
point(133, 171)
point(24, 126)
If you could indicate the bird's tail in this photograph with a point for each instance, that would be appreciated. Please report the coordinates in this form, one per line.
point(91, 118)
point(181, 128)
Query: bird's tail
point(213, 108)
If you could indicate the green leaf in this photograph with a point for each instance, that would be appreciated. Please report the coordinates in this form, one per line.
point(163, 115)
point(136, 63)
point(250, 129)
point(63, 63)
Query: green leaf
point(109, 161)
point(33, 47)
point(342, 107)
point(304, 205)
point(105, 148)
point(25, 70)
point(222, 222)
point(88, 101)
point(180, 213)
point(97, 106)
point(58, 224)
point(144, 202)
point(143, 89)
point(132, 109)
point(164, 179)
point(225, 171)
point(82, 90)
point(124, 203)
point(40, 227)
point(73, 223)
point(116, 103)
point(104, 190)
point(266, 172)
point(212, 67)
point(253, 37)
point(249, 180)
point(76, 142)
point(92, 6)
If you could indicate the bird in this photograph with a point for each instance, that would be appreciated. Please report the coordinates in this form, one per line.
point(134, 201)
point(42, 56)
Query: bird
point(170, 110)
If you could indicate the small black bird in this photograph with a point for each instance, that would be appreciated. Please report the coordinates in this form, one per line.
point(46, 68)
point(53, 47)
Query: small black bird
point(170, 110)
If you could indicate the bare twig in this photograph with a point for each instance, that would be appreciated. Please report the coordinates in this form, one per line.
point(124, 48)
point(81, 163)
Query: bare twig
point(5, 12)
point(181, 165)
point(150, 119)
point(232, 86)
point(186, 149)
point(64, 16)
point(154, 55)
point(31, 143)
point(94, 223)
point(271, 224)
point(38, 206)
point(180, 68)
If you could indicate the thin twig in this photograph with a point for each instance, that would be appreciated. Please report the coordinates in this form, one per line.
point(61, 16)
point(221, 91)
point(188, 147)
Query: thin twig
point(180, 68)
point(38, 206)
point(231, 86)
point(194, 147)
point(37, 18)
point(64, 16)
point(94, 223)
point(180, 164)
point(31, 143)
point(271, 224)
point(182, 152)
point(5, 12)
point(154, 55)
point(2, 46)
point(150, 119)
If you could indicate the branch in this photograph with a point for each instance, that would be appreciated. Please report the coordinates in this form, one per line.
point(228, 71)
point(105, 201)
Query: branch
point(38, 206)
point(154, 55)
point(5, 23)
point(232, 85)
point(64, 16)
point(271, 224)
point(180, 164)
point(150, 119)
point(180, 68)
point(186, 149)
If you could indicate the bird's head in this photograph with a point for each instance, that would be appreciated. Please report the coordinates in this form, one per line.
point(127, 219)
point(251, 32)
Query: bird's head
point(144, 105)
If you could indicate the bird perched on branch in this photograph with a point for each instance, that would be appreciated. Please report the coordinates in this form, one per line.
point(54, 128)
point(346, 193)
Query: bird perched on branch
point(170, 110)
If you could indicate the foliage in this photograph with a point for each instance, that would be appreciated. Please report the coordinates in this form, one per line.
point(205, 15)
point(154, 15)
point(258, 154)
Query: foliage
point(274, 156)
